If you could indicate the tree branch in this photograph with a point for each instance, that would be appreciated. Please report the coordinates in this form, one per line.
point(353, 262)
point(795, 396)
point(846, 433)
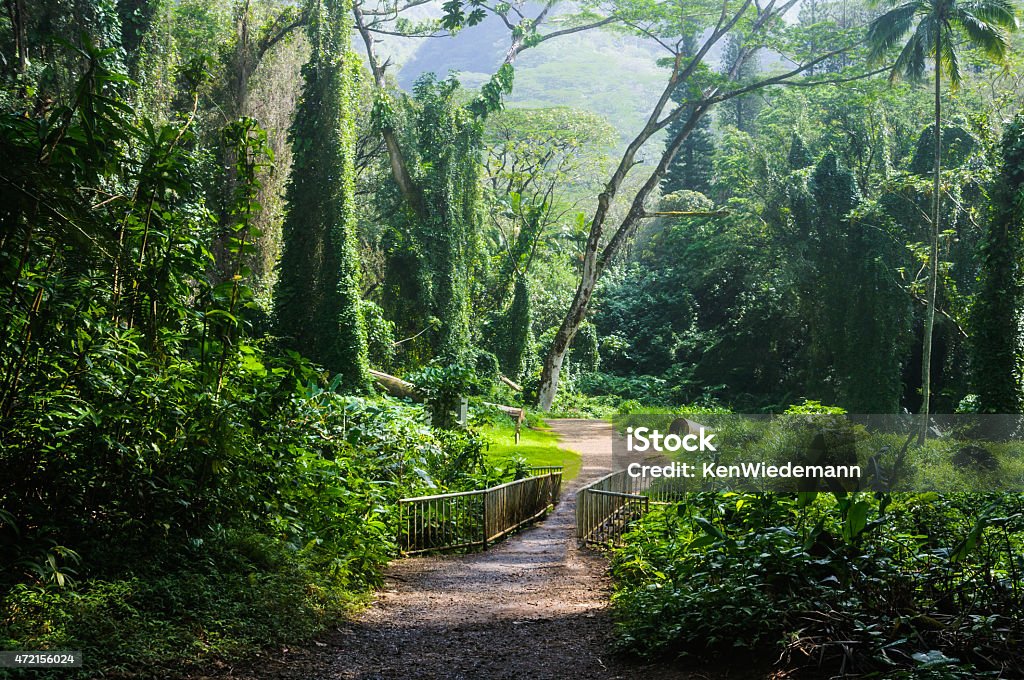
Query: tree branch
point(399, 167)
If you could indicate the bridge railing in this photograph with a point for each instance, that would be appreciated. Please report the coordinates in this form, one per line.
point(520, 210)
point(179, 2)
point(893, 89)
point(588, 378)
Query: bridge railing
point(605, 507)
point(475, 518)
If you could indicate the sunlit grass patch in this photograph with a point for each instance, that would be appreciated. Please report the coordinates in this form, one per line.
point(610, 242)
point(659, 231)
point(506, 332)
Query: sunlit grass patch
point(538, 445)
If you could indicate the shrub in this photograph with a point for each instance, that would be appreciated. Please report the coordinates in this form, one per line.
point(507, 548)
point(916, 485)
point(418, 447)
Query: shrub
point(853, 582)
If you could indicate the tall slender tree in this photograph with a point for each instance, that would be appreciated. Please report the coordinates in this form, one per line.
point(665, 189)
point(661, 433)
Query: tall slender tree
point(317, 303)
point(938, 29)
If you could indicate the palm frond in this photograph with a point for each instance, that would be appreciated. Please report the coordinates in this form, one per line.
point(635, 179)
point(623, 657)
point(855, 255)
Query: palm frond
point(911, 61)
point(890, 28)
point(993, 40)
point(1000, 13)
point(948, 59)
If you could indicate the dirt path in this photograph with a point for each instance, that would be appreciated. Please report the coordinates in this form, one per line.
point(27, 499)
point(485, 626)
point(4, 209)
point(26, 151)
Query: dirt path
point(531, 607)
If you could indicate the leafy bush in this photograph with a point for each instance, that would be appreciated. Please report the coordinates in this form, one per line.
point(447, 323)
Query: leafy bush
point(645, 389)
point(442, 386)
point(380, 336)
point(851, 582)
point(811, 407)
point(236, 595)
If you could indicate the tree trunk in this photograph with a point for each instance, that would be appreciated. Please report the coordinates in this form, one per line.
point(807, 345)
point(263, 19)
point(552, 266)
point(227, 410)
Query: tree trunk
point(593, 263)
point(570, 324)
point(933, 276)
point(19, 31)
point(588, 279)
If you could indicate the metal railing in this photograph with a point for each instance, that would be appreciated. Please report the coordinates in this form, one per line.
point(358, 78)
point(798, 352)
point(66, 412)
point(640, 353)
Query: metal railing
point(509, 506)
point(607, 515)
point(475, 518)
point(604, 509)
point(543, 469)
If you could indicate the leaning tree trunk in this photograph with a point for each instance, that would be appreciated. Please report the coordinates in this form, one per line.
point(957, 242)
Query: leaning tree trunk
point(933, 276)
point(593, 262)
point(567, 331)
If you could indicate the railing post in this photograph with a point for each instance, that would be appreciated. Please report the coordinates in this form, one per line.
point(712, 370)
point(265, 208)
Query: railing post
point(486, 494)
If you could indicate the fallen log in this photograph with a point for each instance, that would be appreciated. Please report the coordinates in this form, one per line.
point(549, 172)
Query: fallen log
point(517, 387)
point(396, 387)
point(403, 389)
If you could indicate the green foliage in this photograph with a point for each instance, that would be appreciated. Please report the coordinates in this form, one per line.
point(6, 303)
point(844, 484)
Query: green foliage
point(996, 337)
point(799, 156)
point(716, 307)
point(741, 112)
point(486, 369)
point(240, 594)
point(455, 16)
point(693, 165)
point(854, 333)
point(937, 28)
point(317, 301)
point(958, 145)
point(143, 427)
point(584, 349)
point(642, 389)
point(248, 143)
point(903, 579)
point(490, 98)
point(928, 25)
point(380, 336)
point(512, 332)
point(442, 387)
point(430, 247)
point(809, 407)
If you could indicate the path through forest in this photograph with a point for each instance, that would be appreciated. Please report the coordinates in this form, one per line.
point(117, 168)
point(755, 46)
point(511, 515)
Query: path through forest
point(533, 607)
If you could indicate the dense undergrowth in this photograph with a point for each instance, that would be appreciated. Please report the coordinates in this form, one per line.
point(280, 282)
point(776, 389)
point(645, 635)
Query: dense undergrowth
point(176, 485)
point(290, 523)
point(907, 585)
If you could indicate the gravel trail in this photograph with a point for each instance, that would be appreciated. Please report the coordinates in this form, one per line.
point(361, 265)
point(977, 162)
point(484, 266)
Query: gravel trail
point(533, 606)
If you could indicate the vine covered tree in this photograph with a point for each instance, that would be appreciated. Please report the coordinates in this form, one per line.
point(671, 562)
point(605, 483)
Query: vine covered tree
point(432, 238)
point(317, 301)
point(799, 155)
point(857, 331)
point(937, 29)
point(996, 316)
point(449, 144)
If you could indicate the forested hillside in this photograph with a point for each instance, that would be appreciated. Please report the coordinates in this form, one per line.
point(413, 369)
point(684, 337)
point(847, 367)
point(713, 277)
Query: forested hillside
point(255, 253)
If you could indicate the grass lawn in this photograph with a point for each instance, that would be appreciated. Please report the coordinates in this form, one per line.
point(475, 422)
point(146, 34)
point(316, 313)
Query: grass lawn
point(538, 445)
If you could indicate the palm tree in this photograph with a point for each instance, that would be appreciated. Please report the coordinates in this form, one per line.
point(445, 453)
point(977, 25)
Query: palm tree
point(937, 29)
